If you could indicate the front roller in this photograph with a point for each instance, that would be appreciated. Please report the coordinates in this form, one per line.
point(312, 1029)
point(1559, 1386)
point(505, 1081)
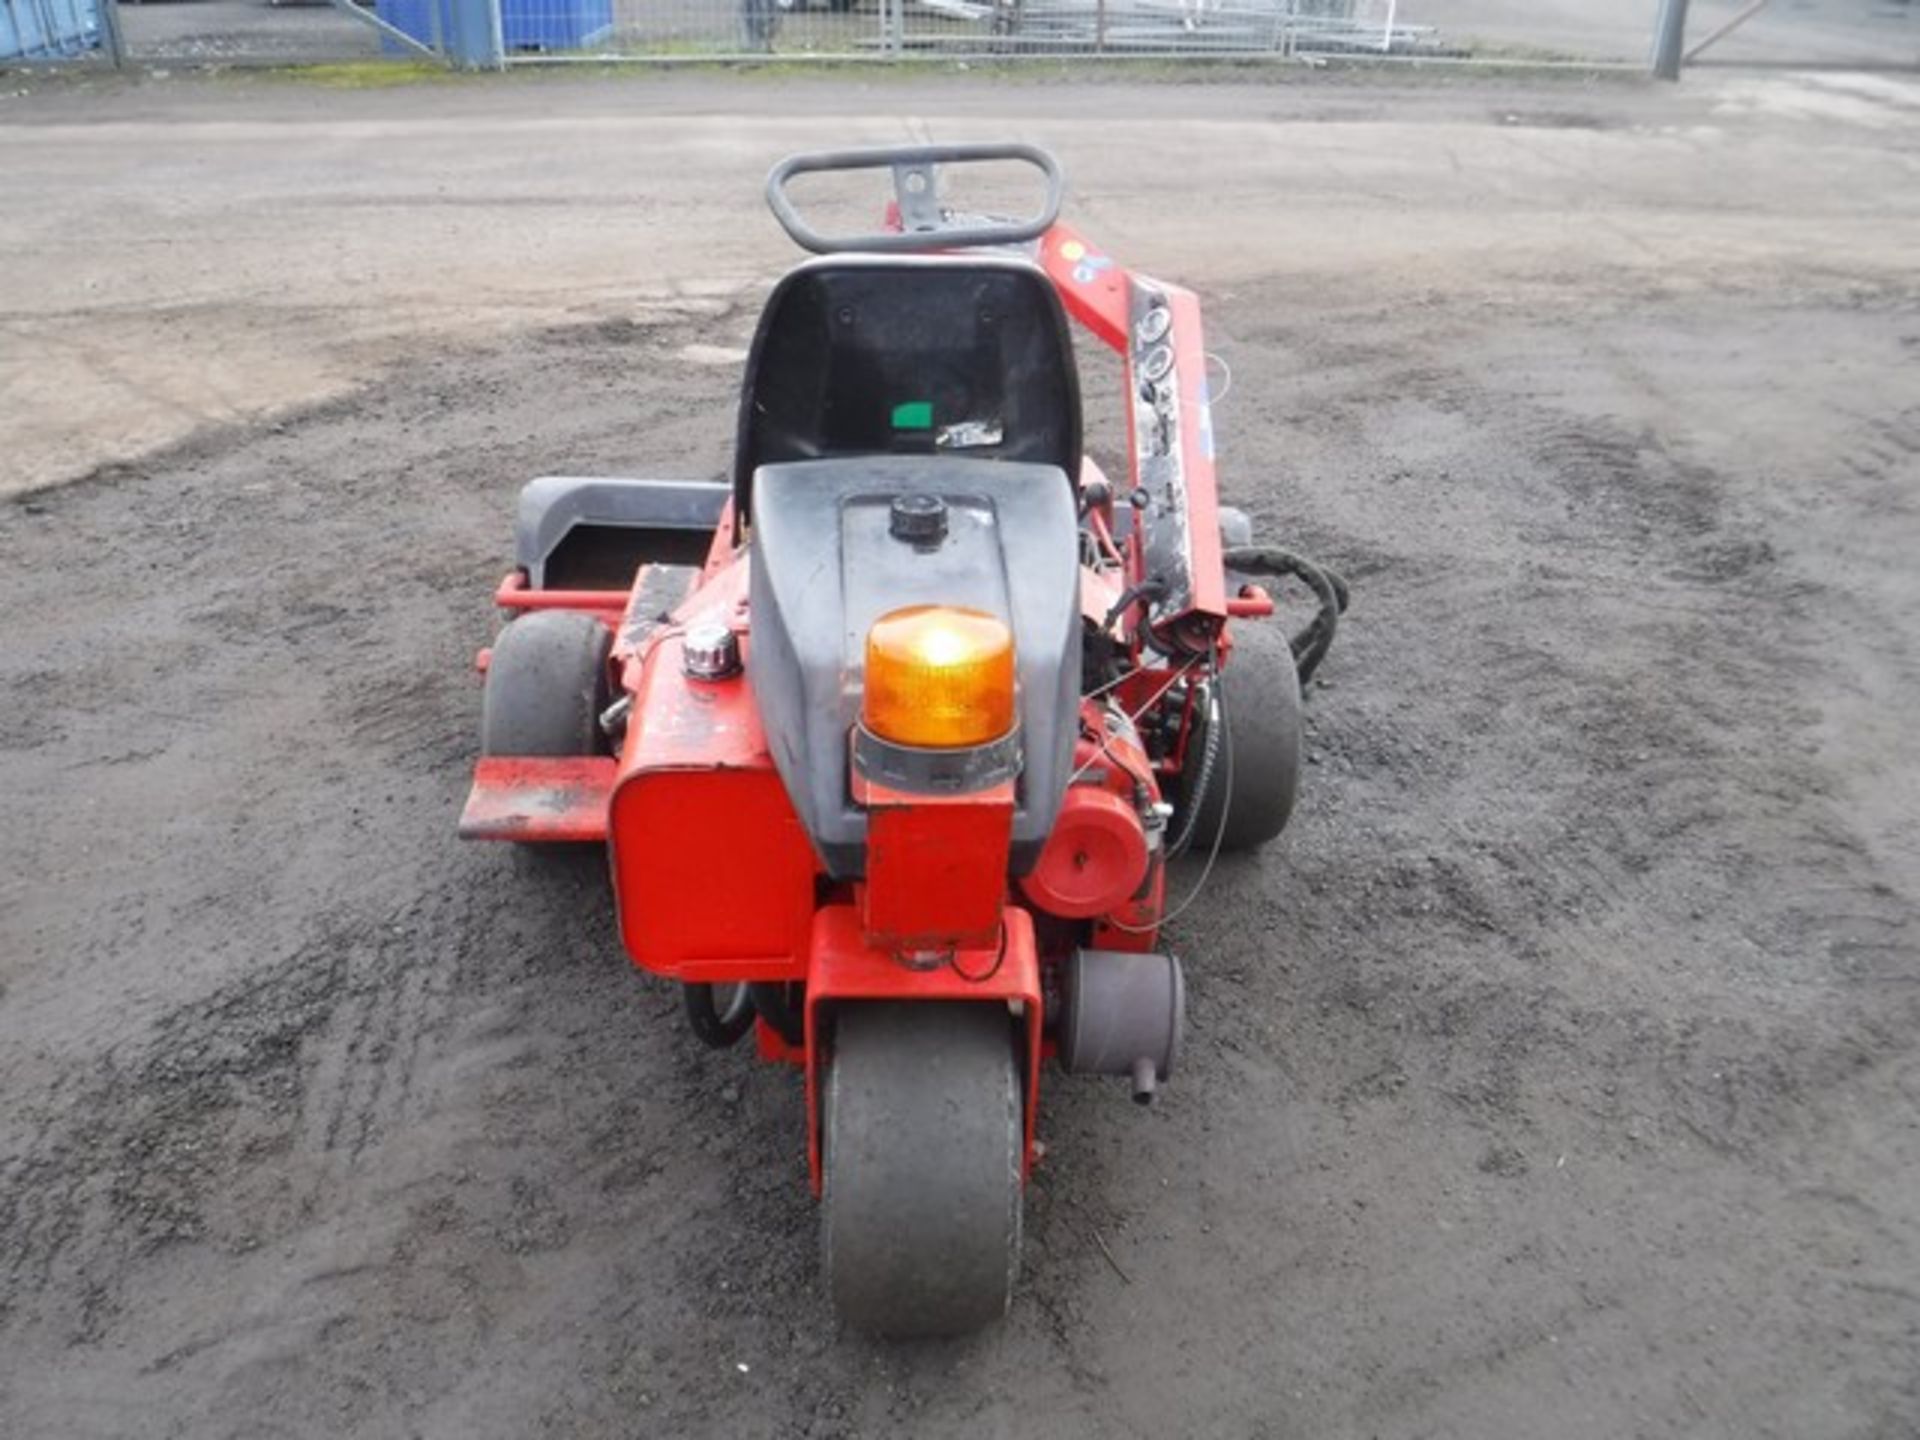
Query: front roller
point(546, 686)
point(1250, 785)
point(922, 1148)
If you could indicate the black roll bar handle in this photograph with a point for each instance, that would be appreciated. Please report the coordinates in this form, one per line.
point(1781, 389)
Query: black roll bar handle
point(923, 224)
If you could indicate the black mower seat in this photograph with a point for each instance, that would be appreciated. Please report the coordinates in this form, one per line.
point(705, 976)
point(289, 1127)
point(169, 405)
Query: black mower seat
point(961, 355)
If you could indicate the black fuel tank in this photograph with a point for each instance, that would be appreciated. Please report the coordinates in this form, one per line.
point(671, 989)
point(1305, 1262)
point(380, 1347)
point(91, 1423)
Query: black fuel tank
point(826, 564)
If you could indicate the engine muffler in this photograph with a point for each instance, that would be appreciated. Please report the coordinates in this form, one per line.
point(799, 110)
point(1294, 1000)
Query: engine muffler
point(1122, 1014)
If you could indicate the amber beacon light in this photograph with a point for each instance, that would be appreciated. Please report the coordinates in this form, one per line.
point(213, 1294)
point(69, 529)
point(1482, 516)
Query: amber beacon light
point(939, 677)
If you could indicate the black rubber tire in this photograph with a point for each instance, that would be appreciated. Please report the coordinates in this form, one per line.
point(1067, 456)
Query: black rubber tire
point(719, 1025)
point(1259, 754)
point(546, 686)
point(922, 1132)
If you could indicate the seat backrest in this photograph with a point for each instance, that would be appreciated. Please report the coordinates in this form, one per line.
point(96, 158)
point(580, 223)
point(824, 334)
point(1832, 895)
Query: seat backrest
point(873, 355)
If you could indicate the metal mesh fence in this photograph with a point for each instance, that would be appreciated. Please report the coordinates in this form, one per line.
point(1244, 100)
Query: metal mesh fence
point(746, 27)
point(1785, 33)
point(1123, 27)
point(988, 28)
point(1782, 32)
point(1596, 31)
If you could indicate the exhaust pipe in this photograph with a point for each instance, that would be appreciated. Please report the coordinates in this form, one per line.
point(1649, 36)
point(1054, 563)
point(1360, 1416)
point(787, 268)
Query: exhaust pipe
point(1122, 1014)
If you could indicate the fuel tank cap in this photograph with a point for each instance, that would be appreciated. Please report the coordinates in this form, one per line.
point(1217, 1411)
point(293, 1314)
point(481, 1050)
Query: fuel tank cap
point(918, 519)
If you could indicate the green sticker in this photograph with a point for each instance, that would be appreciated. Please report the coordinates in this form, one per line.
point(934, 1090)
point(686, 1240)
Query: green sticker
point(913, 415)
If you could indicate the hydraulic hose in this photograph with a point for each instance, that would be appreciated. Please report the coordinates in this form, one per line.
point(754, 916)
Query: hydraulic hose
point(772, 999)
point(1311, 643)
point(717, 1026)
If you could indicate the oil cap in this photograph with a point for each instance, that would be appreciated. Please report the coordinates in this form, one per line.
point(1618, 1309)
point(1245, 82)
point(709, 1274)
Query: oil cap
point(918, 519)
point(710, 652)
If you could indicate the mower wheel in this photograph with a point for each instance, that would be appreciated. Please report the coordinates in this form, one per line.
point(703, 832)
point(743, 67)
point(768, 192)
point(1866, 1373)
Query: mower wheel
point(1256, 765)
point(546, 686)
point(922, 1138)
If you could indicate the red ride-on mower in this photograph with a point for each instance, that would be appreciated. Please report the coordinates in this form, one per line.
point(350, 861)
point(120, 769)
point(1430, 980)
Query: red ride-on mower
point(890, 739)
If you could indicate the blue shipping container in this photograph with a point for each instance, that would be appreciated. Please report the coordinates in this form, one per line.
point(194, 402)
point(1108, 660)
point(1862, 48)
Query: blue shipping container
point(555, 24)
point(416, 18)
point(524, 24)
point(47, 29)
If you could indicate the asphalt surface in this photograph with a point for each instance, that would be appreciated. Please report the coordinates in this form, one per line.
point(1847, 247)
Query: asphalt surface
point(1555, 1074)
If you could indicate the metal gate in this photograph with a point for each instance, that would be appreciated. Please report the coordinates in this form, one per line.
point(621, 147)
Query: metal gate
point(293, 32)
point(1795, 34)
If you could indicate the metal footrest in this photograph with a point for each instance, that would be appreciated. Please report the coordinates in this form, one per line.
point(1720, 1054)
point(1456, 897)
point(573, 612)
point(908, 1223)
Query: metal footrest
point(555, 799)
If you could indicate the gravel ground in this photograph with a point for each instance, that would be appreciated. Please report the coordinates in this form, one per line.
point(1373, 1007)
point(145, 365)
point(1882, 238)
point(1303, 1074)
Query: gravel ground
point(1557, 1074)
point(212, 32)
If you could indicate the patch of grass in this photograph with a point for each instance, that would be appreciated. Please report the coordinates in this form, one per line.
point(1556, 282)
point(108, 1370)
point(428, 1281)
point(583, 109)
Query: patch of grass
point(365, 74)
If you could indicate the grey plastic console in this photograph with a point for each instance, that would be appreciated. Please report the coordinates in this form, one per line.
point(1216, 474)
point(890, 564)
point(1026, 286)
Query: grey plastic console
point(825, 566)
point(554, 506)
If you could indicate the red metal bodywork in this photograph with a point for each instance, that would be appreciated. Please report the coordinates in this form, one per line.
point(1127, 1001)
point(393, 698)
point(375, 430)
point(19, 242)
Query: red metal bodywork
point(713, 872)
point(1097, 859)
point(845, 967)
point(936, 867)
point(1098, 293)
point(514, 594)
point(550, 799)
point(714, 876)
